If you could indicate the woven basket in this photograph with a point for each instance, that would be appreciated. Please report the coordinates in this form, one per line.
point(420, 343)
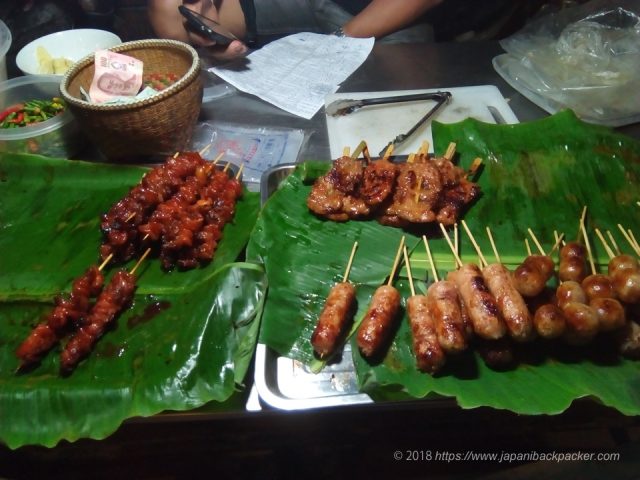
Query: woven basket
point(159, 125)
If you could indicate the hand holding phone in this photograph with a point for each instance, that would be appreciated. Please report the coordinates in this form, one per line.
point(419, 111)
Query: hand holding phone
point(206, 27)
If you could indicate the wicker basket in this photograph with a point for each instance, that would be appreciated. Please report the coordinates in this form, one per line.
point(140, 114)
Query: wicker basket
point(159, 125)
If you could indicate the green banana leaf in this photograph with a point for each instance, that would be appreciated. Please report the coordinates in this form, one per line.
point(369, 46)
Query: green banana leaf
point(536, 175)
point(187, 340)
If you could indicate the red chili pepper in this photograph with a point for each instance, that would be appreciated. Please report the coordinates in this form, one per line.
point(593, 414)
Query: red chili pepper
point(19, 118)
point(10, 110)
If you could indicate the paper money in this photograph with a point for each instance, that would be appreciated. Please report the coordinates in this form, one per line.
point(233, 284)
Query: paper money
point(116, 75)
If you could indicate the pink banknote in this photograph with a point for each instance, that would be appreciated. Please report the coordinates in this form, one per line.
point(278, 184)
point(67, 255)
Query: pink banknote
point(116, 75)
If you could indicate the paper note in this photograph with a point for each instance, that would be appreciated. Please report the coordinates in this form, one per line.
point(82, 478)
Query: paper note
point(295, 73)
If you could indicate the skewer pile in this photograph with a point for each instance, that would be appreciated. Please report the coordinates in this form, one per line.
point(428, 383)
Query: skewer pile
point(178, 211)
point(420, 191)
point(494, 309)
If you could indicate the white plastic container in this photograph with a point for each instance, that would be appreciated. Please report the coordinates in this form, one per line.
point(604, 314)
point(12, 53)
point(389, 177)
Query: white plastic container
point(59, 136)
point(5, 44)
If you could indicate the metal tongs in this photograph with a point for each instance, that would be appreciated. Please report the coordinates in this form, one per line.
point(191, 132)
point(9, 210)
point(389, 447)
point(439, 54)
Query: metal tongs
point(441, 98)
point(345, 107)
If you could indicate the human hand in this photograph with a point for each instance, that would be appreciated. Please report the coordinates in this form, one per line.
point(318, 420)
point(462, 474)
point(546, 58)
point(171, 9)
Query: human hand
point(207, 8)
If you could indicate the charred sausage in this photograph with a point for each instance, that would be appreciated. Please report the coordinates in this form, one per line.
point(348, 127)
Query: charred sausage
point(377, 323)
point(511, 304)
point(444, 305)
point(480, 304)
point(430, 356)
point(334, 319)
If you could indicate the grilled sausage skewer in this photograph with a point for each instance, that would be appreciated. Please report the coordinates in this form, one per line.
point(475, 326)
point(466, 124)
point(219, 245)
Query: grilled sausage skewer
point(336, 314)
point(377, 323)
point(430, 357)
point(600, 291)
point(480, 304)
point(453, 326)
point(532, 275)
point(624, 272)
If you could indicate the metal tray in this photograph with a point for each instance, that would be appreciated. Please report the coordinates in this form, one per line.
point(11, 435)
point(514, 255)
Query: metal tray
point(287, 384)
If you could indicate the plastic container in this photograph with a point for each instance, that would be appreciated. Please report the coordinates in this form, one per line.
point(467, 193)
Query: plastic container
point(5, 44)
point(57, 137)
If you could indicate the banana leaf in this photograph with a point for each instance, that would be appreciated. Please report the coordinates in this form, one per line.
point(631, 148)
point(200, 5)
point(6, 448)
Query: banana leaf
point(187, 340)
point(536, 175)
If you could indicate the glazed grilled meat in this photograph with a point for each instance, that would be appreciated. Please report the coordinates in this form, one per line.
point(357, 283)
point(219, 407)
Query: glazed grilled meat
point(418, 192)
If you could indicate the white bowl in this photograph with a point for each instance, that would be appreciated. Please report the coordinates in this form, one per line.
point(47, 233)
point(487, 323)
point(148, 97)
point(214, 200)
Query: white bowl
point(70, 44)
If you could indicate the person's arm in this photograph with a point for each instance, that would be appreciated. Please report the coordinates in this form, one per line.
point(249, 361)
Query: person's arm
point(167, 22)
point(382, 17)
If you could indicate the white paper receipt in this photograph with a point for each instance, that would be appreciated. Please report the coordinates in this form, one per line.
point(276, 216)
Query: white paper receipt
point(295, 73)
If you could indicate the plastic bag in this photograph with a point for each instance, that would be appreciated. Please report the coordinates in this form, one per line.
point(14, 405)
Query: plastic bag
point(257, 148)
point(586, 58)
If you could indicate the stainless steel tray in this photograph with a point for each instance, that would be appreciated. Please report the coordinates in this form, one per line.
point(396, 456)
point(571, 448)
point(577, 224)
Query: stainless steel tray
point(287, 384)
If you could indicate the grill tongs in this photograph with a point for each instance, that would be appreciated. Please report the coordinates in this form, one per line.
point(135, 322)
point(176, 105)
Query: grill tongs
point(345, 107)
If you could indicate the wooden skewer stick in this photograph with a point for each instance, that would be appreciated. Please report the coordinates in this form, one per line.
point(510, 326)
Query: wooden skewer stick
point(456, 237)
point(616, 248)
point(559, 241)
point(633, 237)
point(359, 149)
point(239, 171)
point(205, 149)
point(561, 237)
point(526, 242)
point(388, 152)
point(408, 265)
point(535, 240)
point(348, 269)
point(218, 158)
point(130, 217)
point(424, 148)
point(588, 245)
point(175, 155)
point(493, 245)
point(411, 158)
point(453, 250)
point(396, 262)
point(583, 216)
point(451, 151)
point(628, 239)
point(345, 151)
point(483, 261)
point(605, 244)
point(433, 266)
point(226, 167)
point(105, 261)
point(144, 255)
point(475, 165)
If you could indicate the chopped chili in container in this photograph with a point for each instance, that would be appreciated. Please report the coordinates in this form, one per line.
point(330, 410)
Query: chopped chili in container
point(30, 112)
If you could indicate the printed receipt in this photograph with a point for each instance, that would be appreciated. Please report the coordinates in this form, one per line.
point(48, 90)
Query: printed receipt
point(296, 72)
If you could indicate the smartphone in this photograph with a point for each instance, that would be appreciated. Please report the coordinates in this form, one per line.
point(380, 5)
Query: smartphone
point(206, 27)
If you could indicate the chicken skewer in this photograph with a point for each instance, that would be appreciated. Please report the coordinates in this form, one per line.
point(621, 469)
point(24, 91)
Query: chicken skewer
point(110, 303)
